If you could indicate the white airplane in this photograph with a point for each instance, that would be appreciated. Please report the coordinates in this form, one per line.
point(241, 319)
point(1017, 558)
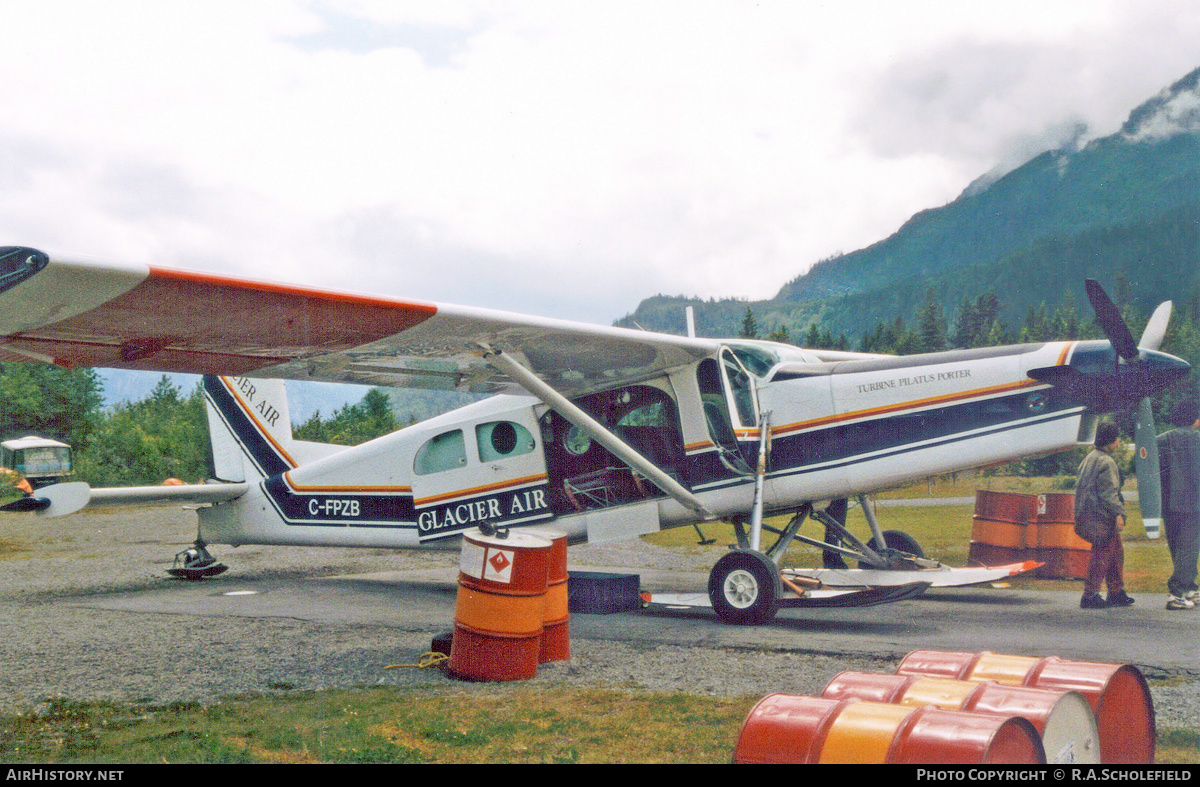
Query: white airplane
point(608, 433)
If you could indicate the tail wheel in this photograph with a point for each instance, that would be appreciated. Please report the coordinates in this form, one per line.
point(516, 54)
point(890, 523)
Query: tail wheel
point(894, 541)
point(744, 588)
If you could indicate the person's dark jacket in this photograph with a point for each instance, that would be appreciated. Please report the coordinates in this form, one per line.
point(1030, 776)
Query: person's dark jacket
point(1179, 470)
point(1098, 500)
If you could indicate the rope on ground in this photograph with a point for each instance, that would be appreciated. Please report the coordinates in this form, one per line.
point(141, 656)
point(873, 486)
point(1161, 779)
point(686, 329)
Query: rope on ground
point(432, 659)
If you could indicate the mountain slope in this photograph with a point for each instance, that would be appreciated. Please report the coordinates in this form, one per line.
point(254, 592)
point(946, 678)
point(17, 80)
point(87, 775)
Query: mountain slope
point(1124, 204)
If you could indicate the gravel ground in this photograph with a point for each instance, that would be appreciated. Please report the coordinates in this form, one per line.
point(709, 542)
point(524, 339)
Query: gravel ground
point(55, 646)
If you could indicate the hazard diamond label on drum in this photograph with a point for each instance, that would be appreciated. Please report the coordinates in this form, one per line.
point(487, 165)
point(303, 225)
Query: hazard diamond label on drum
point(498, 566)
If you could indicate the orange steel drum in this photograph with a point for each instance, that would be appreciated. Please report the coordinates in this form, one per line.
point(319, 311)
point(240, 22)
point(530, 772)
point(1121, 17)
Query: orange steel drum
point(1054, 507)
point(1064, 553)
point(997, 533)
point(999, 528)
point(784, 728)
point(556, 636)
point(498, 620)
point(1004, 506)
point(1118, 694)
point(1063, 719)
point(1009, 527)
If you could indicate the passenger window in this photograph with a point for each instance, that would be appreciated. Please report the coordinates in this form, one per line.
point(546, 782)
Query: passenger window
point(447, 451)
point(502, 439)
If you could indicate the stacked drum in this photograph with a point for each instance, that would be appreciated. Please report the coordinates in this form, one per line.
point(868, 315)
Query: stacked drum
point(959, 708)
point(1117, 694)
point(783, 728)
point(509, 588)
point(1010, 527)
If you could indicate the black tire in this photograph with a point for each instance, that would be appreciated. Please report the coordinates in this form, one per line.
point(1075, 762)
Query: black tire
point(744, 588)
point(895, 541)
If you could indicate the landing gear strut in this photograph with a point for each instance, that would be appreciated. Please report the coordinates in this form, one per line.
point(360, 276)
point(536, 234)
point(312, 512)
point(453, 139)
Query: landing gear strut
point(195, 563)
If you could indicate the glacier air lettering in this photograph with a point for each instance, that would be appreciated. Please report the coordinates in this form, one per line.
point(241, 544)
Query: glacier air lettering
point(519, 505)
point(248, 390)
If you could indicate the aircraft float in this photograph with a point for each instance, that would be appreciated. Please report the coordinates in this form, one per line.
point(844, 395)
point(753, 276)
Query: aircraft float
point(604, 433)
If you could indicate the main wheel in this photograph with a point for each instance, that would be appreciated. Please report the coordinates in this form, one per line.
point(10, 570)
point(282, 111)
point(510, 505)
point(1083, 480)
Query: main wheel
point(744, 588)
point(894, 541)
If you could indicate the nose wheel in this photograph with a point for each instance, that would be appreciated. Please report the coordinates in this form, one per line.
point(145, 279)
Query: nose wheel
point(744, 588)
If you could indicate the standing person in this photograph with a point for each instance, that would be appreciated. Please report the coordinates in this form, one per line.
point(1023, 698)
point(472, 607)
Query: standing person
point(1100, 518)
point(1179, 471)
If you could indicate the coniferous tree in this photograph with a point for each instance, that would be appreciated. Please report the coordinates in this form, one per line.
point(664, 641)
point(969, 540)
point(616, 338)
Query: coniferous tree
point(931, 325)
point(749, 325)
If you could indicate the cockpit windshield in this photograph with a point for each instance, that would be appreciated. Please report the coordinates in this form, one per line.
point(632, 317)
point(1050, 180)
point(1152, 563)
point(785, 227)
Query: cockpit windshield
point(760, 358)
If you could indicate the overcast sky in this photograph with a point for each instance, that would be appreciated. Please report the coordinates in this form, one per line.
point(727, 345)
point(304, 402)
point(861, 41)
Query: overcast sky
point(559, 158)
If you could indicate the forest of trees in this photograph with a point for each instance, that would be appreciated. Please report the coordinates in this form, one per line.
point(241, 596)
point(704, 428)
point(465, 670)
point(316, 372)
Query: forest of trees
point(163, 436)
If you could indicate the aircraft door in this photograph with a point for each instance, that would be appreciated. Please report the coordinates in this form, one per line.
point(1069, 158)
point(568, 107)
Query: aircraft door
point(482, 471)
point(742, 394)
point(730, 403)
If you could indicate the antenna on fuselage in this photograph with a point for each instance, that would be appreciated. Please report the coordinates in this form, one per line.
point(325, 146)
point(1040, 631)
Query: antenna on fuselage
point(691, 322)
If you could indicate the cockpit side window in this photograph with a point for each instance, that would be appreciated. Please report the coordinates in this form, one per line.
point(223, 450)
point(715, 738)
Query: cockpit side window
point(741, 387)
point(712, 398)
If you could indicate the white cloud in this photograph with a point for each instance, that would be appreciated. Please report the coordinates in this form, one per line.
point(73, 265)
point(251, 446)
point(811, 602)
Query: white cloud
point(566, 159)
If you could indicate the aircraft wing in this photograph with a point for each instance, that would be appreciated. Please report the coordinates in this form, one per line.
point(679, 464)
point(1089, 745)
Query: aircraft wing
point(160, 319)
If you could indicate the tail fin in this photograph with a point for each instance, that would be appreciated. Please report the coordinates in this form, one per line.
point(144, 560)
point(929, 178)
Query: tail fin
point(249, 426)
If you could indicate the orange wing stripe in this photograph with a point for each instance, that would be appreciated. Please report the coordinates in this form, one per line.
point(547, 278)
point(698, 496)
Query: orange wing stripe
point(181, 321)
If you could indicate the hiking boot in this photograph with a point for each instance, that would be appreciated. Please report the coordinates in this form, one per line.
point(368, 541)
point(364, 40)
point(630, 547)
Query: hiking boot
point(1175, 602)
point(1120, 599)
point(1092, 601)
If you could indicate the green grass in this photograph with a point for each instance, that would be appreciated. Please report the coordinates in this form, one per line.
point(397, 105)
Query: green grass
point(504, 724)
point(387, 725)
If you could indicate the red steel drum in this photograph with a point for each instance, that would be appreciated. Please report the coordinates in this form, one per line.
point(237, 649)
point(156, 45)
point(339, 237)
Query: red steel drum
point(1063, 719)
point(556, 636)
point(784, 728)
point(1117, 693)
point(498, 620)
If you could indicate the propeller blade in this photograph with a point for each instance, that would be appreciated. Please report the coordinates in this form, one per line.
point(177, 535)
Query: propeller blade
point(1145, 462)
point(1108, 317)
point(1156, 328)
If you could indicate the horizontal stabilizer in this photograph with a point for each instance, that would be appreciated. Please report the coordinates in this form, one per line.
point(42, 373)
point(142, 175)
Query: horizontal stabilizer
point(67, 498)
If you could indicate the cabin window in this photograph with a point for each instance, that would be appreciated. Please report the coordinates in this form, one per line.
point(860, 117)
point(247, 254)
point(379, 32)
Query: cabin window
point(502, 439)
point(577, 442)
point(447, 451)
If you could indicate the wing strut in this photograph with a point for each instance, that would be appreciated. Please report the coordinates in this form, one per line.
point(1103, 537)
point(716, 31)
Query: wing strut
point(618, 447)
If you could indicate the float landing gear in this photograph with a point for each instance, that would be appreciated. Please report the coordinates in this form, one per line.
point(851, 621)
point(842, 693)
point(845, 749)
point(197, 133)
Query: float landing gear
point(195, 563)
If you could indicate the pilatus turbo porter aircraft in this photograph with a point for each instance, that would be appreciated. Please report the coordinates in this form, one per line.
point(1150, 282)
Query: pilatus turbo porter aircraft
point(603, 432)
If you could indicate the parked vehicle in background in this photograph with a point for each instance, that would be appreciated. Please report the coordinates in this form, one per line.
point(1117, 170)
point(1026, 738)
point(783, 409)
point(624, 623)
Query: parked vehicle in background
point(38, 460)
